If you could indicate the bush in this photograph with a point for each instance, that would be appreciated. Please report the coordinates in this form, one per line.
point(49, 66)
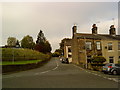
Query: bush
point(97, 67)
point(98, 59)
point(119, 62)
point(19, 54)
point(56, 54)
point(97, 63)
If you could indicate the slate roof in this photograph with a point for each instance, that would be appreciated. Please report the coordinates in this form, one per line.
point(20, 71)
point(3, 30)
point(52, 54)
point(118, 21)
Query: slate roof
point(97, 36)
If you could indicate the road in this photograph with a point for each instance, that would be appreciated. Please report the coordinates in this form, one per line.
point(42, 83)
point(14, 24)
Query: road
point(54, 74)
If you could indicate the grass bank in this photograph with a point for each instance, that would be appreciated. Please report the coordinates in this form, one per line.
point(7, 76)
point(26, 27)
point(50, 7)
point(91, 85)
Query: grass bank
point(20, 54)
point(19, 59)
point(19, 62)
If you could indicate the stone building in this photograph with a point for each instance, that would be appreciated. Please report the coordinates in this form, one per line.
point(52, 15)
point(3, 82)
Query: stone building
point(66, 48)
point(84, 46)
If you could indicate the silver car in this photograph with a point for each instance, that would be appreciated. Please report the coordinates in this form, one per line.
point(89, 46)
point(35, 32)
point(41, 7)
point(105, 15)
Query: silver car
point(111, 68)
point(106, 68)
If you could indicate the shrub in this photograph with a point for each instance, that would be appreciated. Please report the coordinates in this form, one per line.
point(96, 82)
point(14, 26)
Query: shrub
point(98, 59)
point(97, 62)
point(20, 54)
point(56, 54)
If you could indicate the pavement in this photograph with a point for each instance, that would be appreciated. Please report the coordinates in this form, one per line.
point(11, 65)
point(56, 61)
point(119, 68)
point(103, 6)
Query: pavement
point(55, 74)
point(115, 78)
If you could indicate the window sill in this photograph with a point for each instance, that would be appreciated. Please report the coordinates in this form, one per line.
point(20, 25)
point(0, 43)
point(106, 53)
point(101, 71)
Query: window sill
point(99, 49)
point(88, 50)
point(110, 50)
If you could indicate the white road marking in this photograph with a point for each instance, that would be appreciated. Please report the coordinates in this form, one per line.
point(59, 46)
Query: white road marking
point(57, 65)
point(113, 79)
point(55, 68)
point(78, 67)
point(45, 71)
point(48, 70)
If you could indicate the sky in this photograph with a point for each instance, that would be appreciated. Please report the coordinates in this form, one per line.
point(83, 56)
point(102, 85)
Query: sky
point(55, 19)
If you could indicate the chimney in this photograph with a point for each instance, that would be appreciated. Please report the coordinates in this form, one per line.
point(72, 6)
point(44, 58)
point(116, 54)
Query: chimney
point(112, 30)
point(94, 29)
point(74, 29)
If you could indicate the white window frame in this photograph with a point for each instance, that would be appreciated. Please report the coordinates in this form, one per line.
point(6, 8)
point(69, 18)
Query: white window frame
point(111, 57)
point(98, 45)
point(110, 44)
point(89, 44)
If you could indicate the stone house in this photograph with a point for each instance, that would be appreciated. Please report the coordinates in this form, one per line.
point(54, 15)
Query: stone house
point(65, 46)
point(84, 46)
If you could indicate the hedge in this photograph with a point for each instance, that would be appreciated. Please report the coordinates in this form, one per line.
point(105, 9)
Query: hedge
point(20, 54)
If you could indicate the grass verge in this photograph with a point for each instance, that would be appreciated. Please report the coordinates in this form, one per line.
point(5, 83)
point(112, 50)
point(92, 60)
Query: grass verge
point(19, 62)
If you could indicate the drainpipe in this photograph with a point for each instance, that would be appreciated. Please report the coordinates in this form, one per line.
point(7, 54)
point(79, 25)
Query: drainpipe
point(85, 53)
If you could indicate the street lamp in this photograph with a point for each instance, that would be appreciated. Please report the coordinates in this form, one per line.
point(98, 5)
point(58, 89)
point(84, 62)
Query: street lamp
point(13, 55)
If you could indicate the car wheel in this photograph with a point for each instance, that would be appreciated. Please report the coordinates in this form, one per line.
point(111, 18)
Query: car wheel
point(114, 72)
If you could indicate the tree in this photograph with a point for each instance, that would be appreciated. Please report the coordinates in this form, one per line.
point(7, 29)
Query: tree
point(42, 45)
point(11, 41)
point(41, 38)
point(57, 53)
point(98, 59)
point(27, 42)
point(39, 47)
point(47, 47)
point(17, 44)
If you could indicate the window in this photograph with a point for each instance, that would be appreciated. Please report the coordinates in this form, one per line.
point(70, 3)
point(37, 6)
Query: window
point(88, 59)
point(100, 54)
point(118, 65)
point(110, 46)
point(111, 59)
point(69, 50)
point(88, 45)
point(119, 58)
point(118, 45)
point(98, 45)
point(69, 55)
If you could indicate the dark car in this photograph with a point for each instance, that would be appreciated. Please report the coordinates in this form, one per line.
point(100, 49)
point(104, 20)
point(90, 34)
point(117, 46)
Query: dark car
point(65, 60)
point(111, 68)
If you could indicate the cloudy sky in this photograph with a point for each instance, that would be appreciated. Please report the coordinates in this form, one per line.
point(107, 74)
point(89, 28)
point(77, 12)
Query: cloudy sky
point(55, 19)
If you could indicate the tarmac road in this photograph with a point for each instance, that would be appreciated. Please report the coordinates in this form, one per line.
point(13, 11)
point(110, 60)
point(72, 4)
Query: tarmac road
point(55, 74)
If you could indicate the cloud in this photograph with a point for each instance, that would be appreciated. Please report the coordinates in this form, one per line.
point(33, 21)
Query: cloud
point(55, 19)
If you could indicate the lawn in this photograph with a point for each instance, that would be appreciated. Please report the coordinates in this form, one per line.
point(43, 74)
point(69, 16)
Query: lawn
point(19, 62)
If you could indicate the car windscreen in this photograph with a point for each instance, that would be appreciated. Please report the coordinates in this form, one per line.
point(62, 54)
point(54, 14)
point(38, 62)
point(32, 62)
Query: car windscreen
point(108, 65)
point(118, 65)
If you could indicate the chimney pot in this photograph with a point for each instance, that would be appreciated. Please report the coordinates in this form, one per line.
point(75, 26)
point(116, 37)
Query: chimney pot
point(94, 29)
point(74, 30)
point(112, 30)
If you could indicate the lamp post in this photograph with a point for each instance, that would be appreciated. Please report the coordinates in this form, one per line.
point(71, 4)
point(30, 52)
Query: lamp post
point(13, 55)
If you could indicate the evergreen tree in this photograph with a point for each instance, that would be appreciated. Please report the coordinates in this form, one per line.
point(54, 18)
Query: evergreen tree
point(40, 38)
point(17, 44)
point(42, 45)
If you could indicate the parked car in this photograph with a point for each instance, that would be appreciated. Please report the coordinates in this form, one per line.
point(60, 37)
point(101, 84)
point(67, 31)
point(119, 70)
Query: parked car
point(111, 68)
point(64, 60)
